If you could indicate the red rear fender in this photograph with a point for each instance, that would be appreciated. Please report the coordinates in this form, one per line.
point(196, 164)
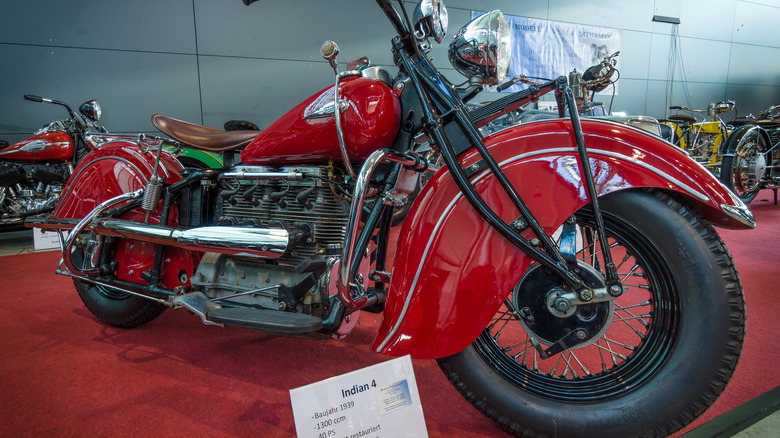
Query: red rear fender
point(452, 271)
point(120, 167)
point(114, 168)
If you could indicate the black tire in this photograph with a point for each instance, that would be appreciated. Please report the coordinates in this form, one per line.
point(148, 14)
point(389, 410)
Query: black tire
point(118, 309)
point(668, 357)
point(743, 171)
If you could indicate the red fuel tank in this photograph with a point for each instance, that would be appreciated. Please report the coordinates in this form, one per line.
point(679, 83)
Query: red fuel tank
point(45, 146)
point(370, 118)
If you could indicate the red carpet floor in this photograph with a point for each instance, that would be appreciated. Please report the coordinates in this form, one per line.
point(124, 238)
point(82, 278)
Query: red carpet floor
point(64, 374)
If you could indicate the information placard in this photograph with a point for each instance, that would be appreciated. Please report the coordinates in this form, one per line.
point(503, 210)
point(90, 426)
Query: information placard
point(45, 239)
point(377, 401)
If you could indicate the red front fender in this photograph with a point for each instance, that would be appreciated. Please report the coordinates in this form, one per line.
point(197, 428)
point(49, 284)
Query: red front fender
point(452, 271)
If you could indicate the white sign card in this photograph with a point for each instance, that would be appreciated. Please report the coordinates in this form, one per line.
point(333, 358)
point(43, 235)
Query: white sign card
point(377, 401)
point(45, 239)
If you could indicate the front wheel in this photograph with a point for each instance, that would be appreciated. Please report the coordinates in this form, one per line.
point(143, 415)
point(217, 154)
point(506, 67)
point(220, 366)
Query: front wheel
point(651, 361)
point(743, 170)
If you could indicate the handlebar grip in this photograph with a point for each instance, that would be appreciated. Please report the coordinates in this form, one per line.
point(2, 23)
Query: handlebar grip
point(249, 2)
point(505, 85)
point(33, 98)
point(675, 107)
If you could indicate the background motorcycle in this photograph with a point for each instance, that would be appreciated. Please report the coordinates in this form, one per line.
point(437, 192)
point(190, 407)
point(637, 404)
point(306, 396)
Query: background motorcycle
point(559, 298)
point(751, 157)
point(703, 140)
point(33, 171)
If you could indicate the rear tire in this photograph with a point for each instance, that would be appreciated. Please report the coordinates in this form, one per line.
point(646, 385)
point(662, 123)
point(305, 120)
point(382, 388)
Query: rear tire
point(118, 309)
point(671, 344)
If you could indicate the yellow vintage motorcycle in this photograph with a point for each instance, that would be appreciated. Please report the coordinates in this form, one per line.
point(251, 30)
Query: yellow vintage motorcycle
point(701, 139)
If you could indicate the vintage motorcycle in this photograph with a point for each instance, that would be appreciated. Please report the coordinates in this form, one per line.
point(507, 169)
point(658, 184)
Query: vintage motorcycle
point(34, 171)
point(751, 155)
point(564, 290)
point(702, 139)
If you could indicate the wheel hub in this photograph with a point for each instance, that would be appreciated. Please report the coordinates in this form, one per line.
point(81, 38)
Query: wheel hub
point(757, 167)
point(551, 319)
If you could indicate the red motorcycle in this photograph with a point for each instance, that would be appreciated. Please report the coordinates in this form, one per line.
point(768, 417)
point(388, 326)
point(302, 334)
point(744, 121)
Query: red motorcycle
point(564, 290)
point(34, 171)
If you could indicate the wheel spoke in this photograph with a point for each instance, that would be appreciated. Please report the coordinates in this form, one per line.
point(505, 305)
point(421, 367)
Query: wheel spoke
point(582, 366)
point(645, 303)
point(621, 338)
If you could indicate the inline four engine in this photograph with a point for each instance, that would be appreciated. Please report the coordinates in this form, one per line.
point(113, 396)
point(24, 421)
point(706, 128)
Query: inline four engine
point(308, 205)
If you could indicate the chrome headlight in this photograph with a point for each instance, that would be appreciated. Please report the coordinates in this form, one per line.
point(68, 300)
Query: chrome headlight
point(91, 110)
point(430, 20)
point(482, 47)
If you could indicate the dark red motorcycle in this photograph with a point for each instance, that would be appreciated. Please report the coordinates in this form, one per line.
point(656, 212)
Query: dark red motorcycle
point(34, 171)
point(751, 155)
point(564, 273)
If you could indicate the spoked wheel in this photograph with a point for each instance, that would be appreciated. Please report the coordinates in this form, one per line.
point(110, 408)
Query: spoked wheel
point(645, 364)
point(743, 172)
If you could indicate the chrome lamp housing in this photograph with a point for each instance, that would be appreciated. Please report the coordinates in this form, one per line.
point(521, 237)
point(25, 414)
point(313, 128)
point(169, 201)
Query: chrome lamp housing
point(481, 49)
point(91, 110)
point(431, 20)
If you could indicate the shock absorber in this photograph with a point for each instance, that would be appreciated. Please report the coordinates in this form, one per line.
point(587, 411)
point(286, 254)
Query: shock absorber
point(153, 187)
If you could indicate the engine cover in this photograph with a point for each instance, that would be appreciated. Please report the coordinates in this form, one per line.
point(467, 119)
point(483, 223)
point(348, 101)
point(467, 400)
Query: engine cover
point(261, 285)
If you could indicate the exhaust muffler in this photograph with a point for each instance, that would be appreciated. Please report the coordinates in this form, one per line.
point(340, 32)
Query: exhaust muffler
point(268, 243)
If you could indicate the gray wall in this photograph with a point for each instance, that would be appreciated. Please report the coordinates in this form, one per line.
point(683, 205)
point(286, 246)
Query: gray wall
point(209, 61)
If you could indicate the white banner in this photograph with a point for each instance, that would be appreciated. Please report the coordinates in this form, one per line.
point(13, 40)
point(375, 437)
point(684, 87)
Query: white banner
point(549, 49)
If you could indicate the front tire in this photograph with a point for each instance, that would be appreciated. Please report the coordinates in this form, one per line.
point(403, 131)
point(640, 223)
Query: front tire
point(670, 345)
point(743, 171)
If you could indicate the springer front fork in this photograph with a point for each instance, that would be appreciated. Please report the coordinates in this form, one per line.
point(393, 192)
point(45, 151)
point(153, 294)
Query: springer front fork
point(434, 94)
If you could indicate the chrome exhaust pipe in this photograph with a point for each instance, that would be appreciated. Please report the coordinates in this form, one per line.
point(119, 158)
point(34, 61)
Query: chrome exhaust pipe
point(267, 243)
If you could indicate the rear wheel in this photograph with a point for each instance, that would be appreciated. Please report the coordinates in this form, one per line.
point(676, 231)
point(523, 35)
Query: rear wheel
point(653, 359)
point(118, 309)
point(114, 307)
point(743, 171)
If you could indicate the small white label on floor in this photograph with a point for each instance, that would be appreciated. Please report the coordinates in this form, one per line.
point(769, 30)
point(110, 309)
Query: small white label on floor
point(377, 401)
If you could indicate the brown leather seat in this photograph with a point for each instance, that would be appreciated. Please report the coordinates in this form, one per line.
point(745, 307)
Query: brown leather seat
point(201, 137)
point(684, 118)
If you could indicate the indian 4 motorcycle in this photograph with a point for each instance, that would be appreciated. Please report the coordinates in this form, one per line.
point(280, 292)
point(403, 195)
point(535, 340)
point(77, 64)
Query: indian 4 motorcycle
point(564, 290)
point(34, 171)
